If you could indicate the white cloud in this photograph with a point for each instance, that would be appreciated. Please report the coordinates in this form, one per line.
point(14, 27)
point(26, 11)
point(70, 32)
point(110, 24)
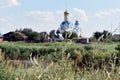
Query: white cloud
point(14, 2)
point(3, 20)
point(41, 15)
point(59, 12)
point(57, 16)
point(103, 14)
point(80, 13)
point(8, 3)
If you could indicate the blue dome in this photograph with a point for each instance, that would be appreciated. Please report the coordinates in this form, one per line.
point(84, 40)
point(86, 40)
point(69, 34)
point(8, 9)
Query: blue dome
point(65, 24)
point(76, 23)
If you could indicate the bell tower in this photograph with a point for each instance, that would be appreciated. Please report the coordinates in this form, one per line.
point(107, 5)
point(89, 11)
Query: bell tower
point(66, 14)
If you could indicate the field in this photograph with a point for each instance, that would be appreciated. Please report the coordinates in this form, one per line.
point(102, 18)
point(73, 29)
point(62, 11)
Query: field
point(58, 61)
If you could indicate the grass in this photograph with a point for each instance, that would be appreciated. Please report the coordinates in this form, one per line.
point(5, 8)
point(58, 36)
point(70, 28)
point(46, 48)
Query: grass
point(16, 50)
point(62, 69)
point(60, 61)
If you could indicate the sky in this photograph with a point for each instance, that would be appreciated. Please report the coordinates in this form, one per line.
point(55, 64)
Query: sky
point(46, 15)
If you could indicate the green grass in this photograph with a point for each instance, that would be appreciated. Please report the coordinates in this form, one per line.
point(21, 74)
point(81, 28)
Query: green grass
point(55, 67)
point(86, 61)
point(15, 50)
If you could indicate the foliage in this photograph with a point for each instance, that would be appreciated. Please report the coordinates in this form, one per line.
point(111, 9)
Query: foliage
point(97, 34)
point(33, 37)
point(102, 36)
point(74, 35)
point(89, 61)
point(118, 48)
point(18, 50)
point(92, 39)
point(52, 34)
point(13, 36)
point(69, 35)
point(106, 34)
point(115, 39)
point(26, 31)
point(43, 37)
point(57, 67)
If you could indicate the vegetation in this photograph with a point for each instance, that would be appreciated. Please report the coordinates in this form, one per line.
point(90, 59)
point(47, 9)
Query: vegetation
point(61, 61)
point(23, 50)
point(43, 37)
point(52, 34)
point(13, 36)
point(101, 36)
point(69, 35)
point(118, 48)
point(115, 39)
point(29, 35)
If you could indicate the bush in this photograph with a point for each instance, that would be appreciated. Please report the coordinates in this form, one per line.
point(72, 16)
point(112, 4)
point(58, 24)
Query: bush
point(118, 48)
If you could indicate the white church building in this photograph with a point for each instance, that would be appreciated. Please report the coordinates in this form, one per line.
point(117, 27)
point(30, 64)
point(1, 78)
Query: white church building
point(66, 25)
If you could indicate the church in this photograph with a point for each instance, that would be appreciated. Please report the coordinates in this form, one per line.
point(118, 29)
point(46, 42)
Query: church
point(66, 25)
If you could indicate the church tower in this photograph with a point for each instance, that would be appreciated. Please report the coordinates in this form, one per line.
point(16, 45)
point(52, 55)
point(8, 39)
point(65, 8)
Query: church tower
point(66, 14)
point(66, 25)
point(77, 29)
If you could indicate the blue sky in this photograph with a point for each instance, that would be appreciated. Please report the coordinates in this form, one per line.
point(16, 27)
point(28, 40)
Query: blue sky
point(46, 15)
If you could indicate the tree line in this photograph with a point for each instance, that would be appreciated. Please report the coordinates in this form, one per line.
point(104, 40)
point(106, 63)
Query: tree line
point(104, 36)
point(27, 34)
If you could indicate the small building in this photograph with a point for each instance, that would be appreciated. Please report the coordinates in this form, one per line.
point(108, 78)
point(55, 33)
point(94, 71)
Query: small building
point(1, 38)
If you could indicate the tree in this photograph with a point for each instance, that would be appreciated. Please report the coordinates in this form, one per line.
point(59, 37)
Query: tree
point(97, 34)
point(57, 32)
point(26, 31)
point(52, 34)
point(102, 36)
point(66, 34)
point(69, 35)
point(107, 35)
point(74, 35)
point(13, 36)
point(43, 37)
point(33, 37)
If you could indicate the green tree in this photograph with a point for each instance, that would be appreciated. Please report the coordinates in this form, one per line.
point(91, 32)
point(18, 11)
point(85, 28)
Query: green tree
point(33, 37)
point(52, 34)
point(26, 31)
point(107, 35)
point(97, 34)
point(69, 35)
point(102, 36)
point(43, 37)
point(73, 35)
point(13, 36)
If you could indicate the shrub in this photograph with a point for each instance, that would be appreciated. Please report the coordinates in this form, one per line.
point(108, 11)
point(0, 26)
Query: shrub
point(88, 48)
point(118, 48)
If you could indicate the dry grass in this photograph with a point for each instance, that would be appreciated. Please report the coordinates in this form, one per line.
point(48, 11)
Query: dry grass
point(60, 70)
point(56, 66)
